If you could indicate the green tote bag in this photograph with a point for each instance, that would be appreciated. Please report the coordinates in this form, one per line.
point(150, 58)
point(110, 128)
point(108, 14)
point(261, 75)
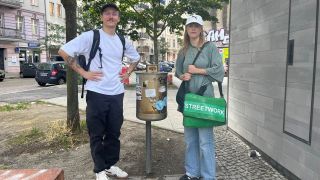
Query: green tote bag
point(202, 111)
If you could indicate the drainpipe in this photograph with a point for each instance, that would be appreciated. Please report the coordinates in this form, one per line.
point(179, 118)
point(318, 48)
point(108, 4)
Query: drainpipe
point(46, 26)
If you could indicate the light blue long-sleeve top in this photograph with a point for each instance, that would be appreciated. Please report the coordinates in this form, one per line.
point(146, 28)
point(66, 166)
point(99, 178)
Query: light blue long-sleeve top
point(209, 59)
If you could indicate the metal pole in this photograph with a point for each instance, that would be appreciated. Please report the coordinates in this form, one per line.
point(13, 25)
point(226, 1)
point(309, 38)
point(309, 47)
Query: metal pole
point(148, 147)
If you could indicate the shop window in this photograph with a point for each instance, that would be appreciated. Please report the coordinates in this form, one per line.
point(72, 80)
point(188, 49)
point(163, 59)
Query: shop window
point(36, 57)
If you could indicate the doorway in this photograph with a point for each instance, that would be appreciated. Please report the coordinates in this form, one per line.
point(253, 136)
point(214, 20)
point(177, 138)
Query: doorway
point(2, 58)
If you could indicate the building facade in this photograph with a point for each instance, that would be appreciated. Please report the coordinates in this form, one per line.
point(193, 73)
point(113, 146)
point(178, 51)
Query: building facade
point(22, 29)
point(274, 82)
point(218, 32)
point(55, 23)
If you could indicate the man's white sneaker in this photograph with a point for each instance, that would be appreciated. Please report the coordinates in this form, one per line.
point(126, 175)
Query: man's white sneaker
point(116, 172)
point(101, 176)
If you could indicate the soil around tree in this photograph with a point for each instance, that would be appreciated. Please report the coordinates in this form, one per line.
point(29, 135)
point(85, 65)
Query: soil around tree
point(167, 146)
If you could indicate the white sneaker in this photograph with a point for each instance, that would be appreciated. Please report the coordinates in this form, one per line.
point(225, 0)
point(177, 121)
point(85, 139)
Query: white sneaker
point(101, 176)
point(116, 172)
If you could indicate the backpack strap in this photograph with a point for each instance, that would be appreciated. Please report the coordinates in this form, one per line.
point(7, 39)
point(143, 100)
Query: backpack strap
point(94, 47)
point(123, 41)
point(93, 52)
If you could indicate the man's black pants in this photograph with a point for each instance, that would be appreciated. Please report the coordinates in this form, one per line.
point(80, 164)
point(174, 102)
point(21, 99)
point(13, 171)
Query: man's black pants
point(104, 121)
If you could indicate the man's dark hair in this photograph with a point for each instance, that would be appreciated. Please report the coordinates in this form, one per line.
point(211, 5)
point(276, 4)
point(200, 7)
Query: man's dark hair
point(109, 5)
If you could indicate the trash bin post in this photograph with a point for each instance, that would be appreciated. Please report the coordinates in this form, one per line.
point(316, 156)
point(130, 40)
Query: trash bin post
point(151, 101)
point(148, 147)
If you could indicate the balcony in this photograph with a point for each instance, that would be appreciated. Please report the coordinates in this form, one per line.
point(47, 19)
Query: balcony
point(143, 49)
point(7, 34)
point(11, 3)
point(143, 36)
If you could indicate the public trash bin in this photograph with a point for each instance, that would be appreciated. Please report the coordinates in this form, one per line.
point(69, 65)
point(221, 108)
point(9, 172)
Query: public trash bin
point(151, 93)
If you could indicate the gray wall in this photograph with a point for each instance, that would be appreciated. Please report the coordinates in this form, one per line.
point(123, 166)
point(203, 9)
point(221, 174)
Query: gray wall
point(258, 81)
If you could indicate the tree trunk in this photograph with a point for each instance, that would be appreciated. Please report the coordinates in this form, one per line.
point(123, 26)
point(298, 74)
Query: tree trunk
point(73, 117)
point(155, 50)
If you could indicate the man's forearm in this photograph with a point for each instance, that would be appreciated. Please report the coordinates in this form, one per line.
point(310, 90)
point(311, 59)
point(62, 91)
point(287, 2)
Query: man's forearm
point(72, 62)
point(131, 67)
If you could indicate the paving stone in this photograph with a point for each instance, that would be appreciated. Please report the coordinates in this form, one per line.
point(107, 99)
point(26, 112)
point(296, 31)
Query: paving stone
point(233, 160)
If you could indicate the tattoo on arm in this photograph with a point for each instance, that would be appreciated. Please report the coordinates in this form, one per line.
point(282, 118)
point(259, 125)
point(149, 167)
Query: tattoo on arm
point(72, 63)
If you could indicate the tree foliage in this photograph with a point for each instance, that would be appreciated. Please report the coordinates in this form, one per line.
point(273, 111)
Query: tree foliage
point(163, 47)
point(56, 36)
point(152, 15)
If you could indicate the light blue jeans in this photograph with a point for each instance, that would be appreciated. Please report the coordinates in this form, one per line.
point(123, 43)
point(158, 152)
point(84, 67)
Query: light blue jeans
point(200, 153)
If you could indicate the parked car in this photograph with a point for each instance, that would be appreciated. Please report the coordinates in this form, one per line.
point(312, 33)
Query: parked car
point(165, 67)
point(27, 69)
point(56, 58)
point(171, 64)
point(140, 66)
point(51, 73)
point(2, 75)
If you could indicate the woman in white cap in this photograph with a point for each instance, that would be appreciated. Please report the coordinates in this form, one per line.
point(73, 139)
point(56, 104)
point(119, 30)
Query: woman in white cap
point(200, 142)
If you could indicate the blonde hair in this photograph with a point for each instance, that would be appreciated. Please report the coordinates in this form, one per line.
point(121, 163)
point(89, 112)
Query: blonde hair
point(186, 40)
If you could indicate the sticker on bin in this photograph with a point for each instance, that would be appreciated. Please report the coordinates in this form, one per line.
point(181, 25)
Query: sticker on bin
point(150, 93)
point(138, 90)
point(139, 98)
point(162, 89)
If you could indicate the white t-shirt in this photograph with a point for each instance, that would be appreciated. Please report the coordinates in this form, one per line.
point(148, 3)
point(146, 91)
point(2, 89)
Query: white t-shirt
point(111, 49)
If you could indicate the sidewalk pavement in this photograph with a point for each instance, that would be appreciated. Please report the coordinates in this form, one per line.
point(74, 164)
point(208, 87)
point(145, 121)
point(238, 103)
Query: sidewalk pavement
point(12, 75)
point(232, 157)
point(172, 122)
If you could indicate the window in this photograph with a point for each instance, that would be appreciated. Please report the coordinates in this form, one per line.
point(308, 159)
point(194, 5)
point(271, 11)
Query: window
point(34, 2)
point(19, 22)
point(59, 10)
point(1, 24)
point(34, 25)
point(51, 8)
point(1, 20)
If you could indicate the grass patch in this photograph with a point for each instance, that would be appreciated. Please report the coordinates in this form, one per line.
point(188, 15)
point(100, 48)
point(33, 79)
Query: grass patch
point(2, 166)
point(57, 136)
point(27, 136)
point(14, 107)
point(60, 136)
point(83, 125)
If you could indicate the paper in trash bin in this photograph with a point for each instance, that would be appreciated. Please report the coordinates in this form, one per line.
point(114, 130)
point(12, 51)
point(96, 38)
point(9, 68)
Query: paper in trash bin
point(150, 93)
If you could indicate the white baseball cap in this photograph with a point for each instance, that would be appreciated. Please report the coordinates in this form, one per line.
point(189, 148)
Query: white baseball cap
point(195, 19)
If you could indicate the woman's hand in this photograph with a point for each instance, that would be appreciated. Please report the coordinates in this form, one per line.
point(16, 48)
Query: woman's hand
point(226, 68)
point(93, 75)
point(192, 69)
point(185, 77)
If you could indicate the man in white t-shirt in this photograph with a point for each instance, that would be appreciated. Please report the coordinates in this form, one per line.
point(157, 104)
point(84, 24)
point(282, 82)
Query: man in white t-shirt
point(105, 90)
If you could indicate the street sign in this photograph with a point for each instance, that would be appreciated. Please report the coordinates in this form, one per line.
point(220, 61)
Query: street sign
point(33, 44)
